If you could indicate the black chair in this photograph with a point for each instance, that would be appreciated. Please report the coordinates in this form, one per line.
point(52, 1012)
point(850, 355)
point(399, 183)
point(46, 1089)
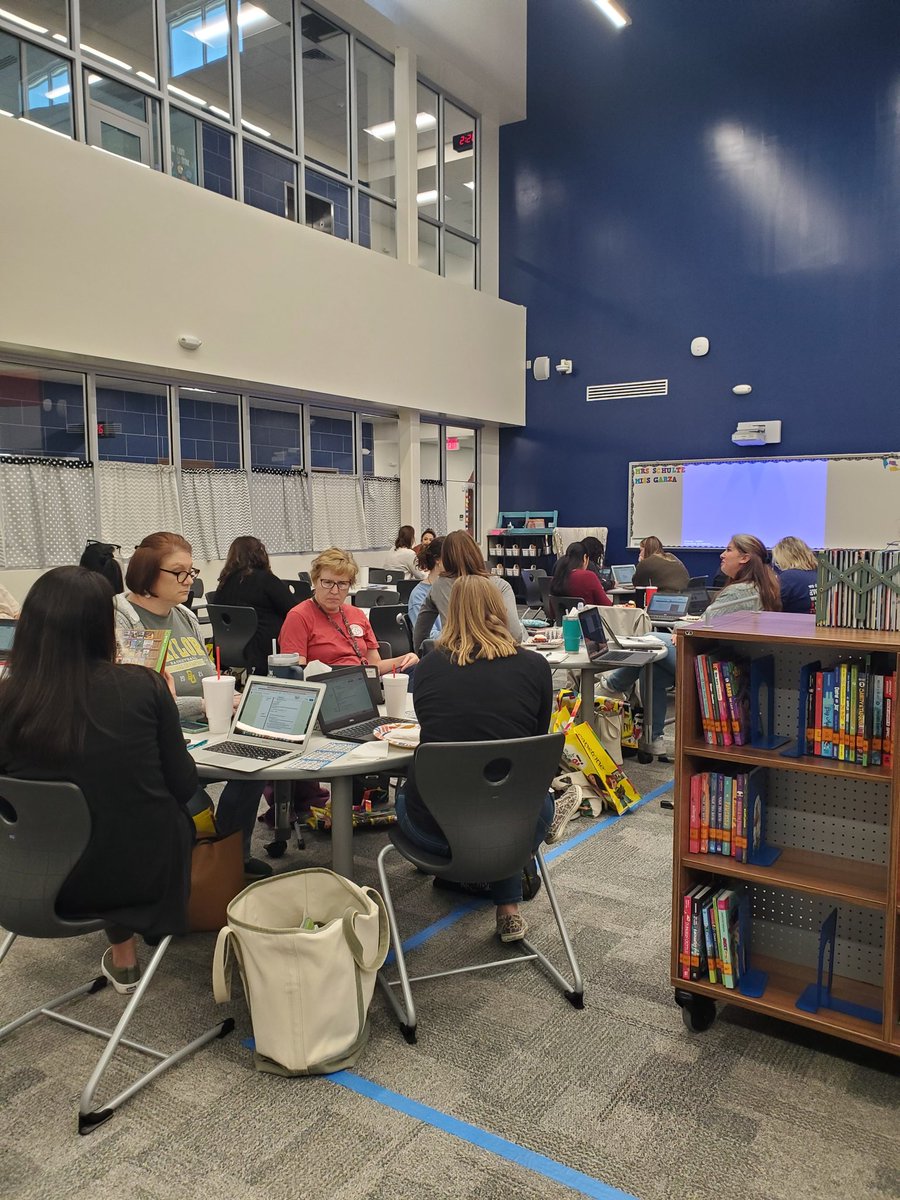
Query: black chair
point(375, 597)
point(486, 797)
point(384, 649)
point(233, 626)
point(386, 575)
point(405, 588)
point(45, 828)
point(390, 623)
point(298, 588)
point(531, 580)
point(427, 647)
point(305, 577)
point(696, 581)
point(560, 605)
point(211, 597)
point(195, 593)
point(544, 582)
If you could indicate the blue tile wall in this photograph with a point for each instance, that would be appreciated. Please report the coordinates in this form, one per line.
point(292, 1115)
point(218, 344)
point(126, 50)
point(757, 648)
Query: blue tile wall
point(144, 436)
point(274, 438)
point(328, 189)
point(331, 444)
point(218, 174)
point(210, 433)
point(56, 433)
point(365, 223)
point(265, 175)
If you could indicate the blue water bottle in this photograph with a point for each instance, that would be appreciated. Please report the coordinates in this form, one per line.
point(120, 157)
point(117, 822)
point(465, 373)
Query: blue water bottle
point(571, 628)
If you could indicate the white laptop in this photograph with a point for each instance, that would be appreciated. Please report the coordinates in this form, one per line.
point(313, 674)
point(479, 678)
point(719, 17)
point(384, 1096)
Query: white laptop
point(623, 575)
point(273, 722)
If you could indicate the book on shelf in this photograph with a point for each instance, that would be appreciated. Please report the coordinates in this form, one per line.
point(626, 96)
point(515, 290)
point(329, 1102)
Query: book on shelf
point(727, 814)
point(143, 647)
point(842, 710)
point(715, 932)
point(723, 689)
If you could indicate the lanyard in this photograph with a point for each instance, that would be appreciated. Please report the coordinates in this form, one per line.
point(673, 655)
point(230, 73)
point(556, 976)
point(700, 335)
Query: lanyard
point(345, 632)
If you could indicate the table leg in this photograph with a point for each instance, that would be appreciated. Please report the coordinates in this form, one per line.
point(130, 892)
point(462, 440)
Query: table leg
point(282, 805)
point(647, 702)
point(342, 825)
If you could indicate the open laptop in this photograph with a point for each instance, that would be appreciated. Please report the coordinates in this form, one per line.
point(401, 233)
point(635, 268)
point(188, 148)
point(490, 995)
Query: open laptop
point(668, 608)
point(7, 633)
point(347, 711)
point(622, 576)
point(596, 634)
point(273, 722)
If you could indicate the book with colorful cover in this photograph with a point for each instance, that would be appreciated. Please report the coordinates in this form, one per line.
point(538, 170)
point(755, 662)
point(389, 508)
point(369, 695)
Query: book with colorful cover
point(755, 812)
point(684, 958)
point(707, 916)
point(810, 746)
point(739, 832)
point(737, 696)
point(863, 724)
point(852, 709)
point(887, 736)
point(817, 728)
point(704, 812)
point(699, 965)
point(877, 719)
point(706, 720)
point(727, 914)
point(727, 799)
point(718, 681)
point(143, 647)
point(827, 713)
point(694, 823)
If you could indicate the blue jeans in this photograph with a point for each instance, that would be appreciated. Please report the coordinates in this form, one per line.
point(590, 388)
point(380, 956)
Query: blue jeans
point(238, 807)
point(504, 891)
point(624, 678)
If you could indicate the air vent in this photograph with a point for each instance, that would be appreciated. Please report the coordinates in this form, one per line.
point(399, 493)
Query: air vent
point(317, 55)
point(628, 391)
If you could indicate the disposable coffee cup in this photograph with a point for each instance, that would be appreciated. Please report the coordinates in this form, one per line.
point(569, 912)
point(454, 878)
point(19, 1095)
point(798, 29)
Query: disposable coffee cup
point(395, 689)
point(285, 666)
point(218, 697)
point(649, 593)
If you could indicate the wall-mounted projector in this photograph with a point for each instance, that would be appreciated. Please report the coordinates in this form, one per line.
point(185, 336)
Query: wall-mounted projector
point(757, 433)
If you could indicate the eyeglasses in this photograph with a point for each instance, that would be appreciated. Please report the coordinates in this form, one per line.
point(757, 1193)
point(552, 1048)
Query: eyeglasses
point(335, 585)
point(182, 576)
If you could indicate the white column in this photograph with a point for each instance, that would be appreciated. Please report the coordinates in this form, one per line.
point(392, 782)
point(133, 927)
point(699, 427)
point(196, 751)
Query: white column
point(488, 477)
point(410, 470)
point(406, 154)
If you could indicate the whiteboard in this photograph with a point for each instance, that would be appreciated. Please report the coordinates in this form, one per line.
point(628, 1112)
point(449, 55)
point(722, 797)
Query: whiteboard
point(839, 501)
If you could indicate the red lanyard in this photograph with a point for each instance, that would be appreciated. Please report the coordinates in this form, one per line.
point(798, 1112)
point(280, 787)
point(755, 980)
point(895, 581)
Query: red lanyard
point(345, 632)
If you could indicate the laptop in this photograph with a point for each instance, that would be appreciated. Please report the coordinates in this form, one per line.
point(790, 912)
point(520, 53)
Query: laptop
point(273, 723)
point(7, 633)
point(373, 680)
point(595, 632)
point(347, 711)
point(622, 575)
point(667, 608)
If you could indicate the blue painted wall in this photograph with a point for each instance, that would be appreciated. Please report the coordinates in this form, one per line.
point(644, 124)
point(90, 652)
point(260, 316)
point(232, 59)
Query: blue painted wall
point(726, 170)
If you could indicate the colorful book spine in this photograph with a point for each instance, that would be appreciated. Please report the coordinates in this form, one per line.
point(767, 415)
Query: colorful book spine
point(724, 904)
point(810, 747)
point(887, 739)
point(727, 816)
point(862, 715)
point(706, 721)
point(739, 831)
point(694, 823)
point(684, 959)
point(827, 713)
point(817, 730)
point(704, 812)
point(877, 718)
point(712, 957)
point(698, 941)
point(724, 720)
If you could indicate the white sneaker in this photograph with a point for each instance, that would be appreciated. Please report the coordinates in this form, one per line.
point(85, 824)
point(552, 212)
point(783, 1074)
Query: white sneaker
point(663, 747)
point(567, 806)
point(602, 686)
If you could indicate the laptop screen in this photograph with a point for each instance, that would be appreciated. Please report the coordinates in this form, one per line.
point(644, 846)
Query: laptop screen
point(346, 700)
point(668, 605)
point(593, 631)
point(623, 575)
point(7, 633)
point(277, 708)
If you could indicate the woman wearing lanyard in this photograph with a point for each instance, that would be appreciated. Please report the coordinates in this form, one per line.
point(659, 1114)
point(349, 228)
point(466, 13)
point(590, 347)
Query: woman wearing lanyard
point(327, 629)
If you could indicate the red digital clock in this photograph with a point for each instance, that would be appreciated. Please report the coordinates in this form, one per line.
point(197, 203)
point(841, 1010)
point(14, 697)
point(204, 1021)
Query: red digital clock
point(464, 141)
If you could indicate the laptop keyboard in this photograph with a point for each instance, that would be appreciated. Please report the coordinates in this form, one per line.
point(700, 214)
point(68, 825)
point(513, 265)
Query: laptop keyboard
point(617, 656)
point(362, 729)
point(242, 750)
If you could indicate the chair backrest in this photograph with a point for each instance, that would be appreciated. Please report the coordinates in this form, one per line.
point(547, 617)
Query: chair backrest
point(486, 797)
point(544, 582)
point(233, 626)
point(531, 579)
point(386, 574)
point(375, 597)
point(427, 647)
point(197, 588)
point(405, 588)
point(390, 623)
point(385, 650)
point(45, 828)
point(305, 577)
point(696, 581)
point(299, 589)
point(560, 605)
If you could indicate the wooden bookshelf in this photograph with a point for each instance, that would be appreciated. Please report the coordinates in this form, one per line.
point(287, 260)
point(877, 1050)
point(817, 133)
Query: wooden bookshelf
point(808, 876)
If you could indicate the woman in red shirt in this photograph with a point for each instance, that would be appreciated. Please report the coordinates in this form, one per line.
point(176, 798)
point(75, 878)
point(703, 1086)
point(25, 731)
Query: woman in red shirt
point(572, 578)
point(327, 629)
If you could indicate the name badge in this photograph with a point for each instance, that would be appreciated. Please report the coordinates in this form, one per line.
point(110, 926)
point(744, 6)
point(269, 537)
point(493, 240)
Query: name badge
point(356, 630)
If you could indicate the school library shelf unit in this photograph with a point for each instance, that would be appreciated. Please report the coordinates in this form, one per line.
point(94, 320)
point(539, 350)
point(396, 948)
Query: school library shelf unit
point(836, 828)
point(522, 539)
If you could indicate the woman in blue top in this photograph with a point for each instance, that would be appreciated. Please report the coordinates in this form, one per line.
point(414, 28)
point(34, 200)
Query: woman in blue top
point(430, 563)
point(797, 570)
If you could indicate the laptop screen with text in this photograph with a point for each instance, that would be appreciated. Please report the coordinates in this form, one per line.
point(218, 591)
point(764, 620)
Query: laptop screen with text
point(347, 699)
point(668, 605)
point(271, 710)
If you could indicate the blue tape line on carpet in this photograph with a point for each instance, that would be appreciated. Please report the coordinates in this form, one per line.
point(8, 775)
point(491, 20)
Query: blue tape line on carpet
point(519, 1155)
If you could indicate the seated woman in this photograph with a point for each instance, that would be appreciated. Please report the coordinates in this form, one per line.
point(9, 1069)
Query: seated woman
point(428, 535)
point(657, 568)
point(461, 556)
point(328, 629)
point(751, 586)
point(430, 562)
point(403, 557)
point(572, 577)
point(797, 571)
point(247, 580)
point(595, 551)
point(158, 581)
point(68, 712)
point(478, 685)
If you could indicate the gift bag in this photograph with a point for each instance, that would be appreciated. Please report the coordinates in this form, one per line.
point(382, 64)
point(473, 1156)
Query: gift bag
point(308, 945)
point(583, 752)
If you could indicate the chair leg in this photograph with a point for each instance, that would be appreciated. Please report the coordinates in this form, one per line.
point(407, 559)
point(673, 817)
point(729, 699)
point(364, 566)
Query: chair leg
point(574, 990)
point(7, 945)
point(406, 1016)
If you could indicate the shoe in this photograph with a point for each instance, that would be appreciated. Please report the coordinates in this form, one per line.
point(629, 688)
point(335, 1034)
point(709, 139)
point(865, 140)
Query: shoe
point(255, 868)
point(123, 979)
point(567, 807)
point(602, 686)
point(450, 885)
point(511, 927)
point(663, 747)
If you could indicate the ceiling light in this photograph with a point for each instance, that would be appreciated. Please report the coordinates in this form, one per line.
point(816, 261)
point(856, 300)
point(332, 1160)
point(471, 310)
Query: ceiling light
point(255, 128)
point(613, 13)
point(470, 183)
point(427, 197)
point(61, 37)
point(187, 95)
point(95, 79)
point(116, 62)
point(8, 16)
point(250, 16)
point(58, 93)
point(220, 112)
point(144, 75)
point(387, 130)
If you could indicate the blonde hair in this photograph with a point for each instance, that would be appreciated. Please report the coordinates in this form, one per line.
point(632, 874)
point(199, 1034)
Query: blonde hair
point(792, 553)
point(476, 623)
point(341, 562)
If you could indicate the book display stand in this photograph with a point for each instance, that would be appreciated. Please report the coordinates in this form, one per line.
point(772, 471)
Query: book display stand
point(814, 925)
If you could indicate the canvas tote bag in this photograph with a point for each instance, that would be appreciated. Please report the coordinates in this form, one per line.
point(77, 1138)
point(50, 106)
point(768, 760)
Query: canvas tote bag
point(308, 990)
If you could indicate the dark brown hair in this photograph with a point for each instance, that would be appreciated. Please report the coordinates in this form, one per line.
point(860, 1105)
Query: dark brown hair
point(143, 570)
point(460, 555)
point(756, 571)
point(245, 554)
point(430, 553)
point(406, 535)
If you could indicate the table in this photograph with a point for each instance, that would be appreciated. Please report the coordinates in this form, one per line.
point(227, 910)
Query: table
point(360, 759)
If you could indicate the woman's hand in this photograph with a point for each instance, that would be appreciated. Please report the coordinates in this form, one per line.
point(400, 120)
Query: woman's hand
point(400, 664)
point(170, 683)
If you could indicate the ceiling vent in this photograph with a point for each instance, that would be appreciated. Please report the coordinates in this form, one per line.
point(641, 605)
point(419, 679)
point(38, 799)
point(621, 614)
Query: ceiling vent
point(628, 391)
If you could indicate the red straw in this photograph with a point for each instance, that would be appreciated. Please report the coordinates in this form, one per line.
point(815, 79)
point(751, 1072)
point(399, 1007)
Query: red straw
point(218, 663)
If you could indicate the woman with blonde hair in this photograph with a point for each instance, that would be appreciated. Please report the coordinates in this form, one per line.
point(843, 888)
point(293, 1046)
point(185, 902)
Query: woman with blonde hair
point(797, 569)
point(657, 568)
point(478, 685)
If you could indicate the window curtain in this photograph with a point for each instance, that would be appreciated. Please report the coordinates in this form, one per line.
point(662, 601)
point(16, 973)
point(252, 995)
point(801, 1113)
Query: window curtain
point(215, 508)
point(282, 512)
point(338, 517)
point(433, 499)
point(381, 501)
point(136, 499)
point(47, 509)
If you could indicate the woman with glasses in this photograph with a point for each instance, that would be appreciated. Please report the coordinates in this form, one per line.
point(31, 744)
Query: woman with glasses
point(158, 582)
point(327, 629)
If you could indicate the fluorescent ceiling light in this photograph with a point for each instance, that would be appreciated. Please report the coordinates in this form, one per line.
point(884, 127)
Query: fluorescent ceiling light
point(116, 62)
point(144, 75)
point(187, 95)
point(255, 128)
point(8, 16)
point(250, 17)
point(95, 79)
point(46, 128)
point(61, 37)
point(58, 93)
point(427, 197)
point(220, 112)
point(387, 130)
point(613, 13)
point(470, 183)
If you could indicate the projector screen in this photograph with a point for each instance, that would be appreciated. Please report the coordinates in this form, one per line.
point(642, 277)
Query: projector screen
point(842, 501)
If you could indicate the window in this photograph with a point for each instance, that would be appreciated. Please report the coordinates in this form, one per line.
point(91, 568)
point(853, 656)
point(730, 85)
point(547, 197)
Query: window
point(275, 433)
point(35, 85)
point(426, 143)
point(122, 120)
point(50, 18)
point(267, 70)
point(132, 421)
point(430, 451)
point(377, 226)
point(461, 448)
point(459, 168)
point(270, 182)
point(210, 428)
point(331, 441)
point(122, 34)
point(428, 247)
point(446, 187)
point(199, 60)
point(326, 129)
point(201, 153)
point(41, 412)
point(380, 441)
point(376, 130)
point(327, 205)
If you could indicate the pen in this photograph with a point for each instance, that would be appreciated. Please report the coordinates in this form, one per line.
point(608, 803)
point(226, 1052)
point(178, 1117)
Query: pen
point(197, 745)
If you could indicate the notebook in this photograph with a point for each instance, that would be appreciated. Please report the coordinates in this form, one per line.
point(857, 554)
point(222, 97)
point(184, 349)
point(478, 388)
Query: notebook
point(666, 608)
point(595, 632)
point(273, 723)
point(7, 633)
point(347, 711)
point(623, 575)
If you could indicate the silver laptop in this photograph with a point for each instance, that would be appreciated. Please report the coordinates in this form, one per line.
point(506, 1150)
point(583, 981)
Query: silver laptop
point(596, 632)
point(667, 608)
point(273, 722)
point(623, 575)
point(7, 633)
